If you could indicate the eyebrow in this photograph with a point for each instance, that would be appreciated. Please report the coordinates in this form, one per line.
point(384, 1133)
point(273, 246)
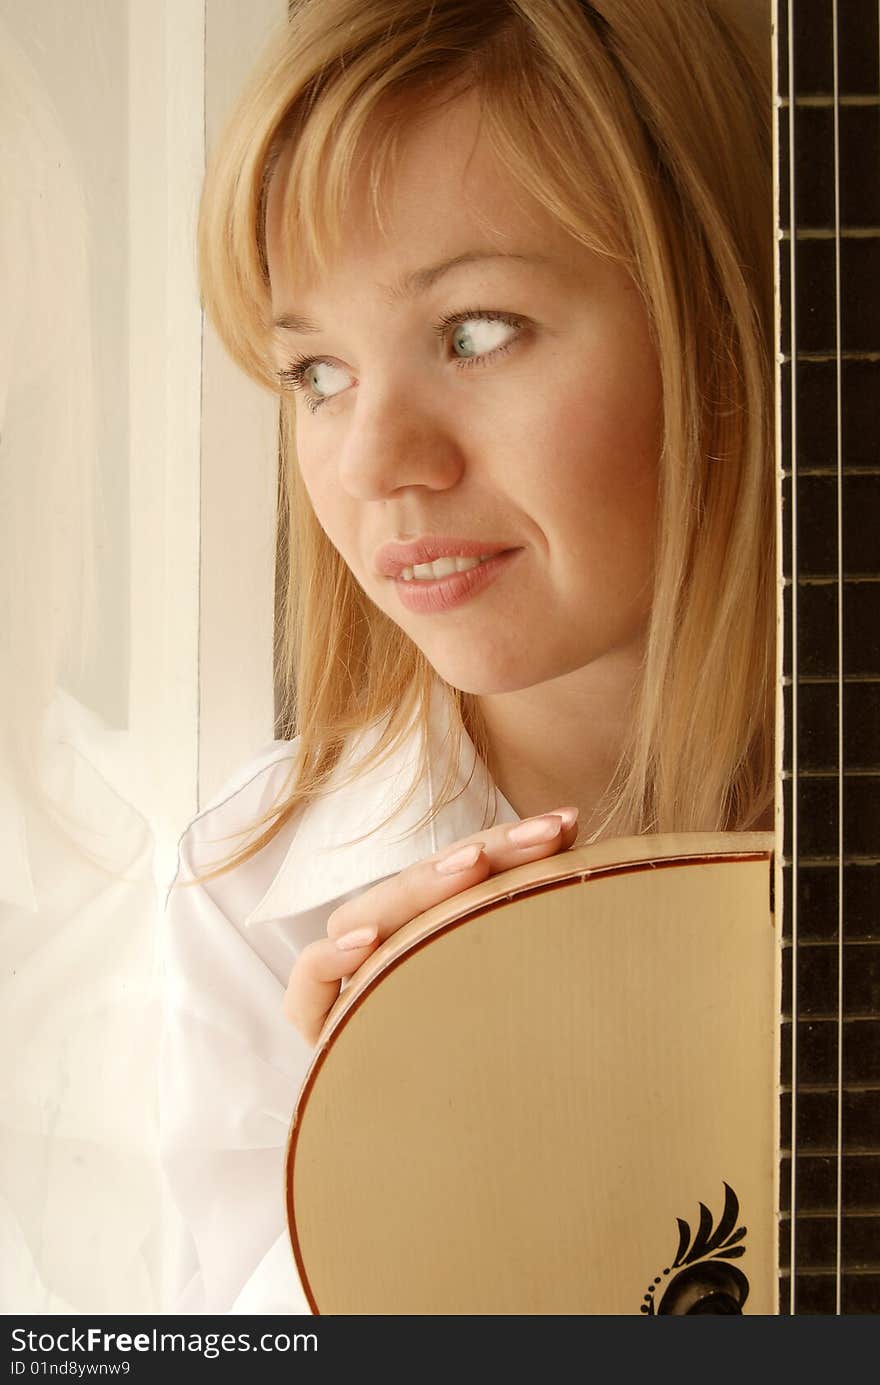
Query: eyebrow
point(417, 282)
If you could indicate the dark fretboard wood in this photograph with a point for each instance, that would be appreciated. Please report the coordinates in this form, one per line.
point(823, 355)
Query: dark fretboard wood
point(828, 126)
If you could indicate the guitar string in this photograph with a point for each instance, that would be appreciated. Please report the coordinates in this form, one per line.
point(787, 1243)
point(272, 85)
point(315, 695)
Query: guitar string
point(794, 666)
point(878, 62)
point(839, 399)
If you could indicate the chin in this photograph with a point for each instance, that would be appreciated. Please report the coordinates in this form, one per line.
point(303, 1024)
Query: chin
point(483, 677)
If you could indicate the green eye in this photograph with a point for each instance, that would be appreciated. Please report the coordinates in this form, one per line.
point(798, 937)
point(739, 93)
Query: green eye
point(480, 335)
point(326, 379)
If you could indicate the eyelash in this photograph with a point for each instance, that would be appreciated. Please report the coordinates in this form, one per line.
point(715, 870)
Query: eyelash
point(293, 377)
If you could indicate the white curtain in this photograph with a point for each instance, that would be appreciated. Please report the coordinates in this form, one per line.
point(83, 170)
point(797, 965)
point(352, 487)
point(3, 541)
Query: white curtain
point(81, 1202)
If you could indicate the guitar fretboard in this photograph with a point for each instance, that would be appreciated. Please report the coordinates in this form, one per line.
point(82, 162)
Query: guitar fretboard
point(828, 127)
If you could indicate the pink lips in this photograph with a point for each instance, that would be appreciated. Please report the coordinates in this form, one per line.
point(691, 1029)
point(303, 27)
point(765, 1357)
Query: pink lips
point(392, 558)
point(432, 597)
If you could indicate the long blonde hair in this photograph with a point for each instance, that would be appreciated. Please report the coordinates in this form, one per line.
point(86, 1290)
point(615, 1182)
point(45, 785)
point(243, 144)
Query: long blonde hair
point(643, 126)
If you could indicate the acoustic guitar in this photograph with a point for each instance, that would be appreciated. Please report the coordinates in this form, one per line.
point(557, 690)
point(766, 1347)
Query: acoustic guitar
point(553, 1094)
point(661, 1095)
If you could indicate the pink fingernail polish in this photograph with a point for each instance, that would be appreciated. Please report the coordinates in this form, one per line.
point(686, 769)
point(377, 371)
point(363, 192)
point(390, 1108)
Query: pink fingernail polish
point(463, 859)
point(535, 830)
point(358, 937)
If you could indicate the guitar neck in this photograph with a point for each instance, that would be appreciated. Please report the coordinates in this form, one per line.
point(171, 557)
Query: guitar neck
point(827, 69)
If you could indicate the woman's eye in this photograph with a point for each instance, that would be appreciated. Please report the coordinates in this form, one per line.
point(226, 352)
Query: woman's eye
point(316, 381)
point(479, 336)
point(324, 379)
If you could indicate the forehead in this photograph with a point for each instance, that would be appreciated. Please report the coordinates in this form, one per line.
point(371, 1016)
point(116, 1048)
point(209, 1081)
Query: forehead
point(445, 187)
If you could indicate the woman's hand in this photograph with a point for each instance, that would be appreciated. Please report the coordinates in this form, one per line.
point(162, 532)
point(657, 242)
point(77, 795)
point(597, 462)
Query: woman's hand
point(358, 926)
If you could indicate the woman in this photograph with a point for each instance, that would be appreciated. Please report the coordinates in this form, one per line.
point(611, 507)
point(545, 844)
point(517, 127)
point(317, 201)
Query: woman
point(508, 266)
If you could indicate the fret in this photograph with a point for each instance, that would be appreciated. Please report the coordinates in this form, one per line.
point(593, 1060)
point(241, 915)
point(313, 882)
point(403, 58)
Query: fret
point(806, 102)
point(817, 860)
point(872, 772)
point(834, 356)
point(823, 233)
point(831, 1086)
point(833, 942)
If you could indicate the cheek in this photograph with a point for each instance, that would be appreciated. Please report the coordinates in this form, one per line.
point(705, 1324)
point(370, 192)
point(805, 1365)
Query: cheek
point(600, 429)
point(315, 465)
point(327, 499)
point(604, 448)
point(599, 488)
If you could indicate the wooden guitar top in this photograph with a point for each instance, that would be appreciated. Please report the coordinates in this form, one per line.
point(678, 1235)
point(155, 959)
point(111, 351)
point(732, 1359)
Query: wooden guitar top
point(553, 1094)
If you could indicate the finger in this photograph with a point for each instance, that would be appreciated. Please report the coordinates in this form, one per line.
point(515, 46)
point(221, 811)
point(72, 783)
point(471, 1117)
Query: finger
point(512, 844)
point(316, 980)
point(400, 898)
point(393, 902)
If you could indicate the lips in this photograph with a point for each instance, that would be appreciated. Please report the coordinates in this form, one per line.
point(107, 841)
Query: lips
point(434, 597)
point(393, 558)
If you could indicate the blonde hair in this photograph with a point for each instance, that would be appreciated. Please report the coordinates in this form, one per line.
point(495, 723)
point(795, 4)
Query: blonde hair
point(644, 128)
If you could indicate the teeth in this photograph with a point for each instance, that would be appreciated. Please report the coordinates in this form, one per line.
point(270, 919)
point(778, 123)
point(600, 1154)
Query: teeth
point(441, 567)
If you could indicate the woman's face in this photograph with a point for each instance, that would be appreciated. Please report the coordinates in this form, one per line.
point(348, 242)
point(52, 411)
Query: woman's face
point(475, 382)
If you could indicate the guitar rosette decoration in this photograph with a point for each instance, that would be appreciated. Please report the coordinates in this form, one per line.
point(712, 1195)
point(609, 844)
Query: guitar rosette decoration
point(701, 1278)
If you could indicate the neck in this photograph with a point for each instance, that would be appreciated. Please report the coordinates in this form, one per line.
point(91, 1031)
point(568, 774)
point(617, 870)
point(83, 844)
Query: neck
point(559, 742)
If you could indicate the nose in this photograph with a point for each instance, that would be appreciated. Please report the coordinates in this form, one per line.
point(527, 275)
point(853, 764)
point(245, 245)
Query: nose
point(395, 443)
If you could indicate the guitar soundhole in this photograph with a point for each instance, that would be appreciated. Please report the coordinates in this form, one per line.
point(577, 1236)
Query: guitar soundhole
point(711, 1288)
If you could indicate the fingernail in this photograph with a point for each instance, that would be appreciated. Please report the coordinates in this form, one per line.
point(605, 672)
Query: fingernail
point(463, 859)
point(568, 815)
point(535, 830)
point(358, 937)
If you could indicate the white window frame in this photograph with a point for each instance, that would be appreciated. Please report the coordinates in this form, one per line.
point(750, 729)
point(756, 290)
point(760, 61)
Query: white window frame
point(203, 438)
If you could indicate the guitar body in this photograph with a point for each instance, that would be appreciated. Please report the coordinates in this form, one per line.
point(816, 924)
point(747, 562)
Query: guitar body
point(521, 1101)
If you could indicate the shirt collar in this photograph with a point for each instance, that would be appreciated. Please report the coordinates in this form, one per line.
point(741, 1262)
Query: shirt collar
point(323, 863)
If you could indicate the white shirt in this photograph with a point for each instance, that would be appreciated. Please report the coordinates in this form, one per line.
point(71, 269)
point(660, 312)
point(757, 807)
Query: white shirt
point(231, 1065)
